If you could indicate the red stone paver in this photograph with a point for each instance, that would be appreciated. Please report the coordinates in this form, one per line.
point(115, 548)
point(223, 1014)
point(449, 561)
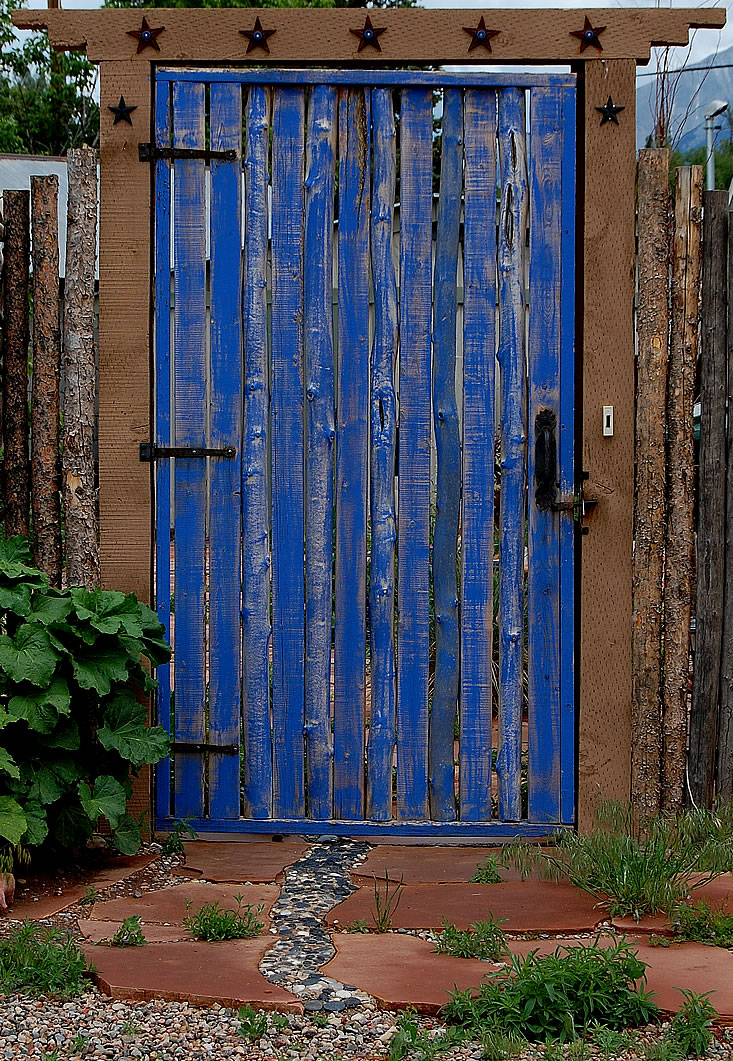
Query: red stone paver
point(427, 865)
point(718, 893)
point(116, 870)
point(169, 905)
point(401, 971)
point(200, 973)
point(103, 931)
point(528, 906)
point(239, 862)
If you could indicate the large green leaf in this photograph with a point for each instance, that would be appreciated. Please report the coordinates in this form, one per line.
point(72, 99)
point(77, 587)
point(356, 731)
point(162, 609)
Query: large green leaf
point(108, 611)
point(125, 729)
point(29, 656)
point(13, 821)
point(15, 598)
point(42, 709)
point(70, 826)
point(8, 765)
point(96, 668)
point(106, 801)
point(65, 736)
point(127, 835)
point(48, 608)
point(16, 561)
point(44, 785)
point(37, 829)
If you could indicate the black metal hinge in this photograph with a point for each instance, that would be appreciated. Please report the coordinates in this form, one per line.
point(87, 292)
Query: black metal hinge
point(204, 746)
point(150, 452)
point(151, 153)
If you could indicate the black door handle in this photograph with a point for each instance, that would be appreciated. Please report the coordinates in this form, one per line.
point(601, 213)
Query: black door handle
point(545, 459)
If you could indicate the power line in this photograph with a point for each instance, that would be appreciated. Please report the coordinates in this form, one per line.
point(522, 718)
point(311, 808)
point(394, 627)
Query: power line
point(686, 70)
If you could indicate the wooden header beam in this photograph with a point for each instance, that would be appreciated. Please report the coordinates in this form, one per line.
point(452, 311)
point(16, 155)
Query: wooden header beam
point(413, 35)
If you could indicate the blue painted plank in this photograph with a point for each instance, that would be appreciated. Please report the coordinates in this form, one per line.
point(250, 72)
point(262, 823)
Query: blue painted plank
point(287, 452)
point(256, 732)
point(163, 426)
point(320, 154)
point(432, 831)
point(351, 454)
point(543, 577)
point(225, 512)
point(566, 451)
point(190, 475)
point(369, 77)
point(383, 426)
point(511, 262)
point(416, 194)
point(477, 512)
point(448, 451)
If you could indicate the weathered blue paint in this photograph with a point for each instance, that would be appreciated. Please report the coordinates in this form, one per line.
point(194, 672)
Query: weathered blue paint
point(477, 512)
point(351, 453)
point(430, 831)
point(416, 194)
point(190, 475)
point(163, 427)
point(256, 733)
point(225, 511)
point(320, 438)
point(383, 417)
point(448, 449)
point(369, 77)
point(287, 452)
point(511, 260)
point(543, 571)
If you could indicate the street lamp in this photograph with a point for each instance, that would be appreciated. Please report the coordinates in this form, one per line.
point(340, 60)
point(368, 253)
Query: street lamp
point(713, 110)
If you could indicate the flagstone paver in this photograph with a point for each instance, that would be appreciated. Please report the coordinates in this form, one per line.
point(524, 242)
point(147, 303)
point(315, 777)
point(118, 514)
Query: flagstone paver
point(718, 893)
point(239, 862)
point(101, 877)
point(169, 905)
point(101, 931)
point(428, 865)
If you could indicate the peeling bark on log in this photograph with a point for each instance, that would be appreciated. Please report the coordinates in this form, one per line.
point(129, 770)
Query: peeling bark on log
point(79, 485)
point(45, 456)
point(686, 272)
point(651, 413)
point(724, 787)
point(15, 344)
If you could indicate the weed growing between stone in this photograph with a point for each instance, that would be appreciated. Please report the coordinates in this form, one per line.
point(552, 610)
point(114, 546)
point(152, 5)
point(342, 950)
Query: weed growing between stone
point(484, 939)
point(173, 842)
point(386, 901)
point(213, 924)
point(611, 1042)
point(701, 924)
point(42, 961)
point(129, 934)
point(487, 872)
point(501, 1046)
point(691, 1027)
point(410, 1041)
point(252, 1023)
point(359, 925)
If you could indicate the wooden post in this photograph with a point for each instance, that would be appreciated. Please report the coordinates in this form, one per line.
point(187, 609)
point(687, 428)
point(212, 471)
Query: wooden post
point(80, 489)
point(686, 269)
point(724, 786)
point(45, 457)
point(652, 322)
point(711, 502)
point(16, 332)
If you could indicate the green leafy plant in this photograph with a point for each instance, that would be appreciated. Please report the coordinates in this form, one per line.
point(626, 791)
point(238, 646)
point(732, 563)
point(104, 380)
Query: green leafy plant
point(91, 895)
point(386, 901)
point(80, 1044)
point(359, 925)
point(252, 1023)
point(611, 1042)
point(662, 1050)
point(129, 934)
point(701, 923)
point(213, 924)
point(487, 872)
point(410, 1041)
point(578, 1050)
point(319, 1019)
point(41, 961)
point(73, 731)
point(500, 1046)
point(552, 996)
point(658, 941)
point(173, 843)
point(484, 939)
point(691, 1027)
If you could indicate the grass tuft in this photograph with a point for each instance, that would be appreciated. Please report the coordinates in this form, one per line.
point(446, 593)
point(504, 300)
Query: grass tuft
point(213, 924)
point(487, 872)
point(129, 934)
point(484, 939)
point(42, 961)
point(701, 924)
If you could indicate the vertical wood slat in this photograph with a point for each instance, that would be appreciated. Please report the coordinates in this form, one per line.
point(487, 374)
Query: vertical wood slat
point(256, 731)
point(225, 529)
point(566, 453)
point(511, 259)
point(320, 153)
point(477, 512)
point(163, 426)
point(414, 451)
point(383, 415)
point(16, 205)
point(448, 451)
point(190, 475)
point(351, 453)
point(712, 384)
point(287, 452)
point(45, 460)
point(724, 768)
point(543, 576)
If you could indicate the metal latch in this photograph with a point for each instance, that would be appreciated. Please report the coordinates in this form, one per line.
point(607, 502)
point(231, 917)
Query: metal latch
point(578, 504)
point(150, 153)
point(150, 452)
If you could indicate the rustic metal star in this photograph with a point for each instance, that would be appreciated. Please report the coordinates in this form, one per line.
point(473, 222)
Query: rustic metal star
point(368, 35)
point(146, 37)
point(481, 36)
point(122, 111)
point(588, 35)
point(609, 112)
point(257, 37)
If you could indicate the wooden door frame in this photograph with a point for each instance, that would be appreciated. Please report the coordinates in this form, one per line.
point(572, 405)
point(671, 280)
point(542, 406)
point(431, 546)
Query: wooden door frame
point(606, 159)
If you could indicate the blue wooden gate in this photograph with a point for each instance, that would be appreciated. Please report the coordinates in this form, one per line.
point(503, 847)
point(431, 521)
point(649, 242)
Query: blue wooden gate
point(364, 436)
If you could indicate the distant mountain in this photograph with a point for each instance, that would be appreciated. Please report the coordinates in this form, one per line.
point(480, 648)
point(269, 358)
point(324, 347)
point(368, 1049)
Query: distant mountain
point(695, 89)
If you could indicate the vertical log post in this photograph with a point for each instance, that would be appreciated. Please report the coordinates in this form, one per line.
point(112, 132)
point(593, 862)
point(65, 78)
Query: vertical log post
point(711, 502)
point(45, 456)
point(686, 270)
point(79, 485)
point(724, 787)
point(651, 414)
point(2, 317)
point(15, 344)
